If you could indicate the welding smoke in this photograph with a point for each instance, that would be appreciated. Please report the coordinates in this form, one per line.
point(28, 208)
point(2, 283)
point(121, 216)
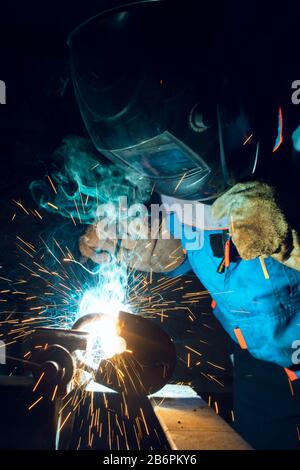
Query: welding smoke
point(84, 181)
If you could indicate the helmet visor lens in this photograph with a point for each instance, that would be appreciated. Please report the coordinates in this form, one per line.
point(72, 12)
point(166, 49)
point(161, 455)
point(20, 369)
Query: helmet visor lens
point(164, 157)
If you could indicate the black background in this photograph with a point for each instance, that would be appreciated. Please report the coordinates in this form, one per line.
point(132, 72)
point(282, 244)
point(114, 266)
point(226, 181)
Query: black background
point(41, 110)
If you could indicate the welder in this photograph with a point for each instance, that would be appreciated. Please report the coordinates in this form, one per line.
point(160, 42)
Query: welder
point(163, 92)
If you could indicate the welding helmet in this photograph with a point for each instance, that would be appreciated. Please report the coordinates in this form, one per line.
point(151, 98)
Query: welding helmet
point(151, 85)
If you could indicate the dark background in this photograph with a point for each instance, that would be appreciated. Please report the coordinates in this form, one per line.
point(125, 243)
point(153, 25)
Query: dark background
point(41, 110)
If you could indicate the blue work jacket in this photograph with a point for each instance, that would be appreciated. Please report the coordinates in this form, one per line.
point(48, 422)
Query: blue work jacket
point(258, 303)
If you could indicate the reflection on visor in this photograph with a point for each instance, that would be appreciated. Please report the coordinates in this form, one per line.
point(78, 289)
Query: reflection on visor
point(162, 156)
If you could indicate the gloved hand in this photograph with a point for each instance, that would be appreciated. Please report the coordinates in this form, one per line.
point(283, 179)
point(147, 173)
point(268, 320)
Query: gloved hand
point(162, 255)
point(258, 226)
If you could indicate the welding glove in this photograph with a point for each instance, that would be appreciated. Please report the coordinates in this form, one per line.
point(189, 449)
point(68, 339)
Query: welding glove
point(258, 226)
point(138, 252)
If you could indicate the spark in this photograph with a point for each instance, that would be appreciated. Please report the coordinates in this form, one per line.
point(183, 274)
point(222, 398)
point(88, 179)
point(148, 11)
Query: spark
point(213, 378)
point(291, 387)
point(73, 220)
point(189, 360)
point(94, 166)
point(65, 405)
point(76, 207)
point(7, 344)
point(35, 403)
point(38, 214)
point(125, 434)
point(5, 279)
point(52, 184)
point(264, 268)
point(38, 381)
point(54, 393)
point(64, 421)
point(144, 421)
point(68, 260)
point(248, 139)
point(29, 245)
point(215, 365)
point(193, 350)
point(50, 204)
point(25, 251)
point(179, 182)
point(82, 203)
point(19, 203)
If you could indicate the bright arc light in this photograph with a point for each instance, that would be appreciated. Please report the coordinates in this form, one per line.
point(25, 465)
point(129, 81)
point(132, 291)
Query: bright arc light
point(104, 340)
point(93, 302)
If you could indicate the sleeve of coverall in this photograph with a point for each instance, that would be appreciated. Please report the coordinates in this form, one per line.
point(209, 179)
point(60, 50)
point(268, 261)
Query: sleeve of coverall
point(185, 266)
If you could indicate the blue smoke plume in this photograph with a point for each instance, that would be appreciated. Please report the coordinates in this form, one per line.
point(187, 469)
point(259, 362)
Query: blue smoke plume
point(84, 181)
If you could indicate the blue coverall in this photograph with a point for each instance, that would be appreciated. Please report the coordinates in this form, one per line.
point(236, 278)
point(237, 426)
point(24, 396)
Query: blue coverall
point(264, 307)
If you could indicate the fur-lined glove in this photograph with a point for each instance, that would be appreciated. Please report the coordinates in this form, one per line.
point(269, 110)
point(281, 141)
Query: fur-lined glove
point(258, 226)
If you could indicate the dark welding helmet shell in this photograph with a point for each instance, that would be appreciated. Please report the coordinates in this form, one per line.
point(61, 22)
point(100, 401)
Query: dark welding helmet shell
point(147, 79)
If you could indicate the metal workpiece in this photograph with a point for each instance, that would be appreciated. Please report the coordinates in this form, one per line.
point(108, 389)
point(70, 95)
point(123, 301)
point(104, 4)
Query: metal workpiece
point(70, 339)
point(133, 384)
point(147, 363)
point(190, 424)
point(52, 355)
